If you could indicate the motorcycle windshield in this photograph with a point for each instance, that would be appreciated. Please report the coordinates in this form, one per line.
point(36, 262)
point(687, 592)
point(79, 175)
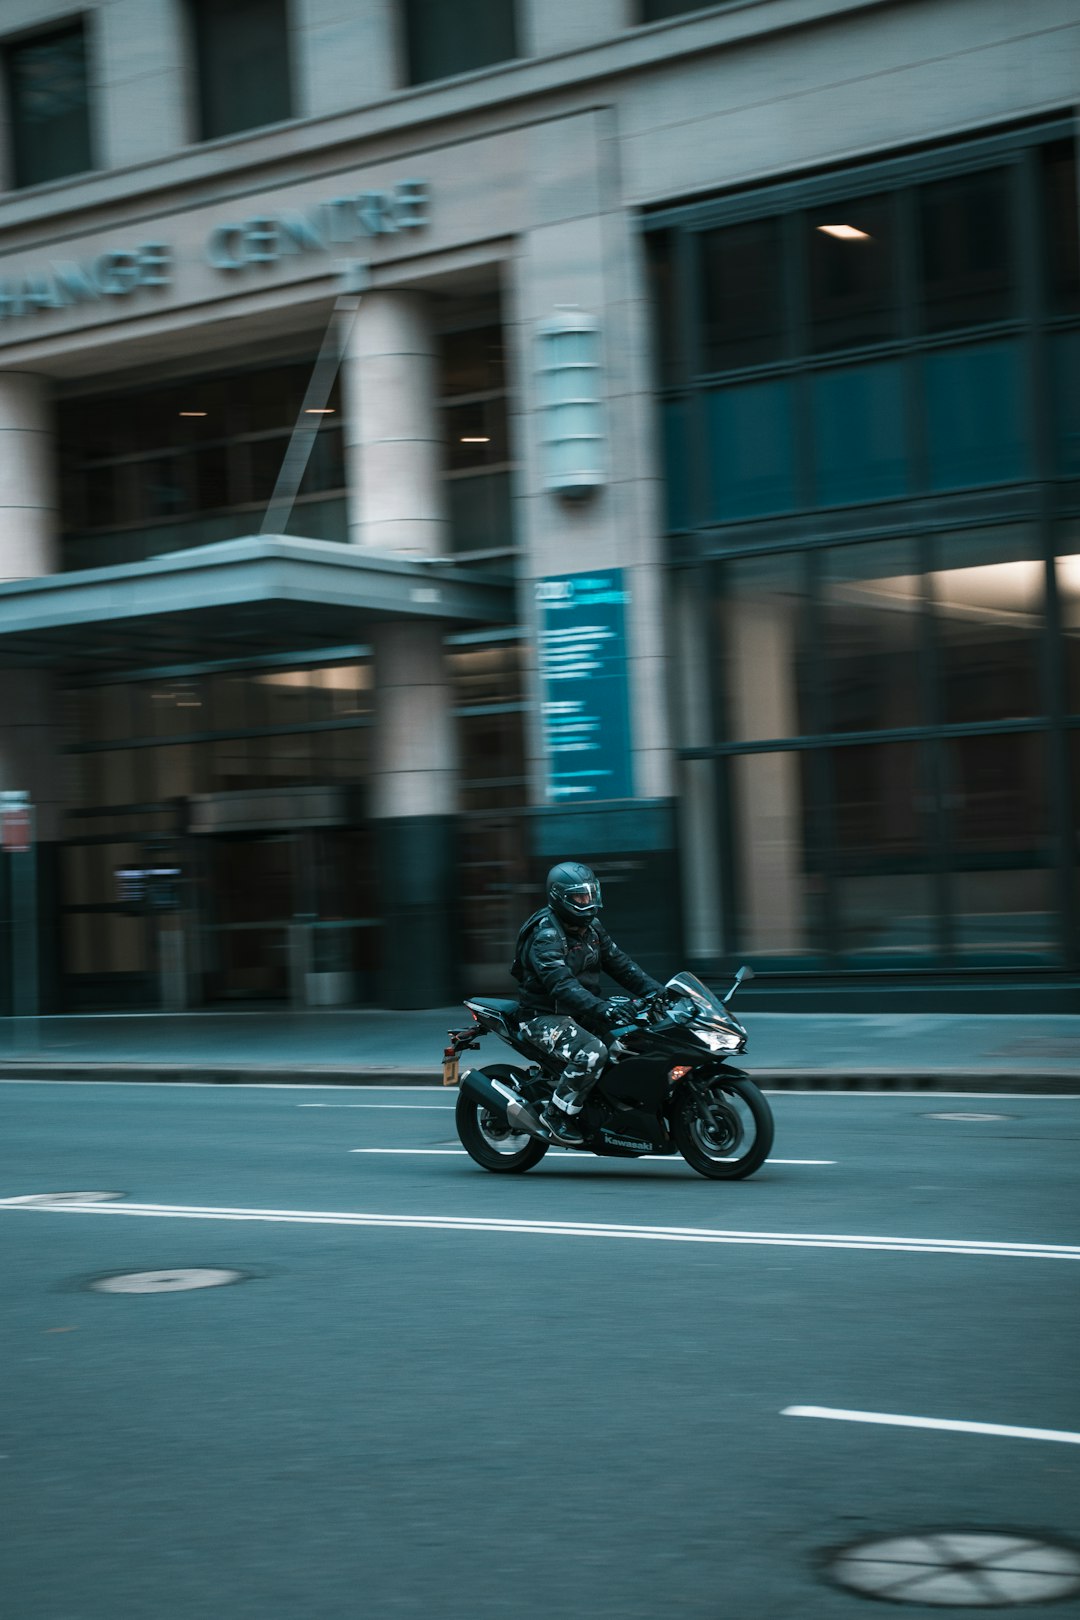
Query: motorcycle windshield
point(707, 1007)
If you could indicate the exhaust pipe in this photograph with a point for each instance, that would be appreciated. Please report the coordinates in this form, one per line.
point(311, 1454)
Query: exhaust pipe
point(504, 1101)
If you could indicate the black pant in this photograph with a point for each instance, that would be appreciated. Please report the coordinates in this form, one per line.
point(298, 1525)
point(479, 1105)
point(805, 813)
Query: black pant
point(582, 1055)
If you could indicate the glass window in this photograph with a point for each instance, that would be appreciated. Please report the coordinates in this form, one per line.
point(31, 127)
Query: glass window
point(1062, 226)
point(475, 434)
point(675, 418)
point(852, 270)
point(1003, 883)
point(860, 435)
point(883, 872)
point(780, 883)
point(766, 641)
point(968, 275)
point(1068, 584)
point(1065, 385)
point(869, 625)
point(242, 61)
point(472, 362)
point(742, 276)
point(657, 10)
point(660, 264)
point(751, 439)
point(977, 422)
point(48, 106)
point(988, 594)
point(481, 513)
point(444, 37)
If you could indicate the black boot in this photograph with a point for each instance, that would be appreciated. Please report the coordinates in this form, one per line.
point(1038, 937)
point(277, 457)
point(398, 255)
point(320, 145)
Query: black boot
point(560, 1125)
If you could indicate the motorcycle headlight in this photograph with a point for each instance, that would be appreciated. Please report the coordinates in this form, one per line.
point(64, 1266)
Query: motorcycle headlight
point(719, 1040)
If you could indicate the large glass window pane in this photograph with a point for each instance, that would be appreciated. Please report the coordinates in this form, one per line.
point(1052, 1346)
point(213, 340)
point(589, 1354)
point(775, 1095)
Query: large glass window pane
point(472, 362)
point(1065, 383)
point(780, 884)
point(968, 275)
point(475, 434)
point(481, 512)
point(977, 427)
point(751, 449)
point(1068, 584)
point(852, 271)
point(48, 106)
point(742, 278)
point(869, 637)
point(988, 602)
point(675, 434)
point(444, 37)
point(884, 887)
point(766, 639)
point(242, 53)
point(658, 10)
point(1062, 225)
point(1003, 882)
point(860, 438)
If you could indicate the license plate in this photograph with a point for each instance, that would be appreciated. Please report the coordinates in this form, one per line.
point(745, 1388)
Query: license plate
point(450, 1067)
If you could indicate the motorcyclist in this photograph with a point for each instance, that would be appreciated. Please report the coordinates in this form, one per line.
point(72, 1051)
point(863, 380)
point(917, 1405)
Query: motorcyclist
point(561, 951)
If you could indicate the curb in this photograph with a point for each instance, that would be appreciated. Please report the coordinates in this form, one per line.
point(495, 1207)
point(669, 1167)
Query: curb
point(974, 1080)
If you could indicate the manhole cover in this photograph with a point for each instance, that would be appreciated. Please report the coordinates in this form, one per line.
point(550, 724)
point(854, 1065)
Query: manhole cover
point(960, 1569)
point(166, 1282)
point(970, 1116)
point(64, 1198)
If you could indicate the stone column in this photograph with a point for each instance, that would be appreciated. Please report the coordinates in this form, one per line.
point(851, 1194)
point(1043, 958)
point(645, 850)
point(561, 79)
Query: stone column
point(392, 434)
point(413, 802)
point(394, 463)
point(30, 729)
point(29, 497)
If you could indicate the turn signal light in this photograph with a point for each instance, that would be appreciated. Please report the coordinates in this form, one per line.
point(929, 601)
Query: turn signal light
point(679, 1072)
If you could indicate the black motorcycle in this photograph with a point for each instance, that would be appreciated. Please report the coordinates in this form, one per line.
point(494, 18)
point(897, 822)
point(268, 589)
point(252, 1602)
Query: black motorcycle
point(666, 1087)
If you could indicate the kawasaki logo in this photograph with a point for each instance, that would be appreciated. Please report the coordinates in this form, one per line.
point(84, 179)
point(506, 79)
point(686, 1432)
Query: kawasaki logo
point(626, 1142)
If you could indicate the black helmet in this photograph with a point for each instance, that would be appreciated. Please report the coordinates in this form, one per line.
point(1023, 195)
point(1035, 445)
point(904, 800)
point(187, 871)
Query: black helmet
point(573, 893)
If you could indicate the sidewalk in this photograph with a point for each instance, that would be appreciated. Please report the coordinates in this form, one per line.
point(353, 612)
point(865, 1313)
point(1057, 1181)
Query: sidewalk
point(828, 1050)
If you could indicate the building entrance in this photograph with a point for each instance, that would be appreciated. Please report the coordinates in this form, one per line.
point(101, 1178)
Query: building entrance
point(250, 901)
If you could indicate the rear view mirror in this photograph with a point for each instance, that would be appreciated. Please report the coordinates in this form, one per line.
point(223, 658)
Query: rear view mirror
point(745, 972)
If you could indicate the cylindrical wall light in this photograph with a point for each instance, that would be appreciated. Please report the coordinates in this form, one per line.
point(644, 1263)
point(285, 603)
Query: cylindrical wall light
point(572, 432)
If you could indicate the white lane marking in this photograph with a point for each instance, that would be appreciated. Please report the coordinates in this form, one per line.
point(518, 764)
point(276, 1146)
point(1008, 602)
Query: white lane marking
point(1007, 1430)
point(972, 1248)
point(581, 1157)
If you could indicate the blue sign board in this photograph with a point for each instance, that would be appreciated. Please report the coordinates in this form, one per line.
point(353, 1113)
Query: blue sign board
point(584, 692)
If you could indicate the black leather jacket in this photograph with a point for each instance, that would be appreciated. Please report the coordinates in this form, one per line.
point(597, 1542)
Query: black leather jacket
point(559, 970)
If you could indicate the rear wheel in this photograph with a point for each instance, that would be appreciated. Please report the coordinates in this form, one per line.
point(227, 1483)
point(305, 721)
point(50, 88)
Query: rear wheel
point(490, 1140)
point(723, 1132)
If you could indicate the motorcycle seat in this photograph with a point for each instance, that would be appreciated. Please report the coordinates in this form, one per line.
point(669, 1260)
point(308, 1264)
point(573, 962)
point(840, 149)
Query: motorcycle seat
point(495, 1004)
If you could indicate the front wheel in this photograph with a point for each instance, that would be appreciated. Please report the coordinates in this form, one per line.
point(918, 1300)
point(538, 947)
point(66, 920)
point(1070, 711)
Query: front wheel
point(723, 1132)
point(490, 1139)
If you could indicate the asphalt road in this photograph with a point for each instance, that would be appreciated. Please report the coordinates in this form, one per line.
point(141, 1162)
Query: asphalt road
point(471, 1418)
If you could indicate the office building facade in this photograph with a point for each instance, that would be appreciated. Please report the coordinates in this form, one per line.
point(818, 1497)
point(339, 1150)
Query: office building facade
point(438, 437)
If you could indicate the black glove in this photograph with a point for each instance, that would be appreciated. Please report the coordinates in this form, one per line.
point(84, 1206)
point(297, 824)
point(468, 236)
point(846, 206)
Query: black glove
point(619, 1014)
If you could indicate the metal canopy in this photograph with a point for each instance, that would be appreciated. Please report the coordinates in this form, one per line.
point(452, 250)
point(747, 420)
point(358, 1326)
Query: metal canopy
point(254, 597)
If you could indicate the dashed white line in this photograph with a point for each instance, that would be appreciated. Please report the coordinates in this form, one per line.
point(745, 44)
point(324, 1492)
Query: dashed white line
point(970, 1248)
point(899, 1421)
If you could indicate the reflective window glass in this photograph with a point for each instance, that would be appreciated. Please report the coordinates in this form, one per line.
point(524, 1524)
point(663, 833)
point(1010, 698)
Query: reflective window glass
point(751, 441)
point(988, 592)
point(883, 865)
point(871, 602)
point(444, 37)
point(658, 10)
point(49, 115)
point(472, 362)
point(1068, 586)
point(475, 434)
point(968, 275)
point(675, 416)
point(1003, 883)
point(977, 423)
point(860, 433)
point(242, 56)
point(852, 270)
point(481, 512)
point(743, 298)
point(767, 641)
point(1060, 211)
point(780, 880)
point(1065, 385)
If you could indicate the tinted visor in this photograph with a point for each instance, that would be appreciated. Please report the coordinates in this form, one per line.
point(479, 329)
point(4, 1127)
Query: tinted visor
point(584, 897)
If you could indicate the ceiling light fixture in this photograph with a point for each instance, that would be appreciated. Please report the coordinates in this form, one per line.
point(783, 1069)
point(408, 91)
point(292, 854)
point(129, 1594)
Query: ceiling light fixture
point(193, 413)
point(475, 441)
point(845, 233)
point(319, 410)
